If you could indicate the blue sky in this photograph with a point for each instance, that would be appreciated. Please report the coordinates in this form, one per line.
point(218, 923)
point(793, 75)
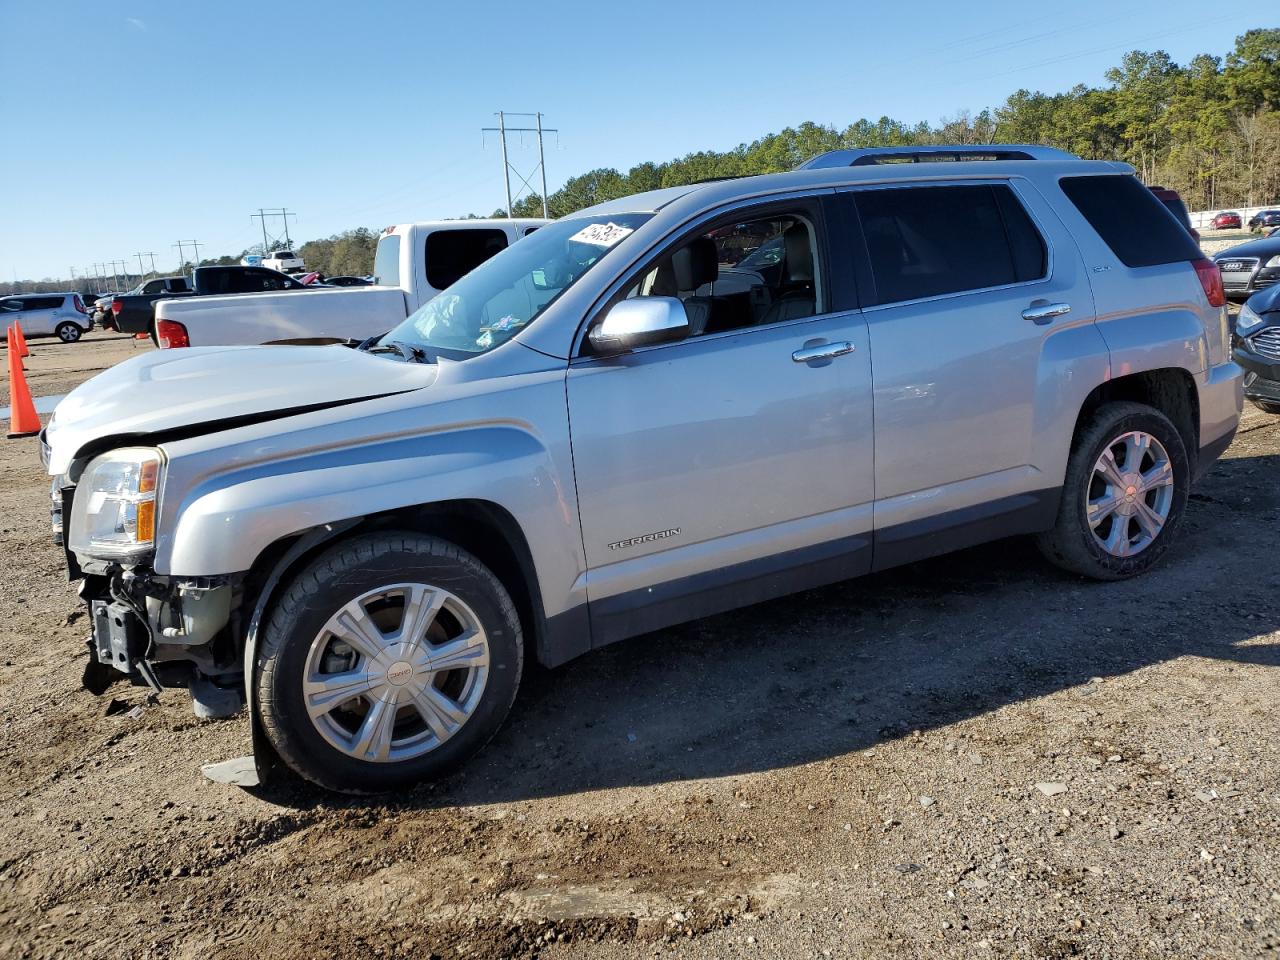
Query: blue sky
point(369, 114)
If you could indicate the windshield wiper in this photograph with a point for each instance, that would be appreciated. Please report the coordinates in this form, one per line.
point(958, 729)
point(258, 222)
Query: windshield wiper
point(406, 350)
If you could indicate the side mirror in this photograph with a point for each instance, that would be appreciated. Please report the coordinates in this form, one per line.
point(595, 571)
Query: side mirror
point(640, 322)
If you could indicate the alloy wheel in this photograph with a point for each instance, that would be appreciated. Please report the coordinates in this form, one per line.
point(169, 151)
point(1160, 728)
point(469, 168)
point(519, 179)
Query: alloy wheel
point(396, 672)
point(1129, 494)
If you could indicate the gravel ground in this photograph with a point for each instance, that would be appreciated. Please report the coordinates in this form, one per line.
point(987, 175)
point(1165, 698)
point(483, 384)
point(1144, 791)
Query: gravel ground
point(973, 756)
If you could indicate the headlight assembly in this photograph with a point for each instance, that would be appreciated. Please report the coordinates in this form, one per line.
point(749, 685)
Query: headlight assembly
point(113, 512)
point(1273, 262)
point(1247, 320)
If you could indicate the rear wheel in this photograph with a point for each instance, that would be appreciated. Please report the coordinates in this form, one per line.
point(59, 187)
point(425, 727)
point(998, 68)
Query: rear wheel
point(390, 659)
point(68, 332)
point(1125, 492)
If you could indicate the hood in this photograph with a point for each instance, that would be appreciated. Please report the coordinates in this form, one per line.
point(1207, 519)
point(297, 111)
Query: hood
point(1266, 247)
point(1266, 304)
point(165, 391)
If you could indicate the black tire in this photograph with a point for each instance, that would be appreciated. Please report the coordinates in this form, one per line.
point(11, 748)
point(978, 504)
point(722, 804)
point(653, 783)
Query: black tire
point(347, 571)
point(1266, 406)
point(1071, 544)
point(68, 332)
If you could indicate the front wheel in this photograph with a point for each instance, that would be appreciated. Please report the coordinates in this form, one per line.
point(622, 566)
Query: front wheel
point(68, 332)
point(389, 660)
point(1125, 492)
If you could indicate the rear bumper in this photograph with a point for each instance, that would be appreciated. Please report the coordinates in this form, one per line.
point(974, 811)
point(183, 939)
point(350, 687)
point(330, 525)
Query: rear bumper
point(1221, 401)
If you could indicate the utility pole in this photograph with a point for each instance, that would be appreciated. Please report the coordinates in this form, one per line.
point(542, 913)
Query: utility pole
point(123, 273)
point(182, 258)
point(507, 169)
point(141, 267)
point(270, 213)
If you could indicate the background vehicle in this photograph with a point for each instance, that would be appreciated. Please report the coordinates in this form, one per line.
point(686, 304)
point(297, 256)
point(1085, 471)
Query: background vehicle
point(348, 281)
point(101, 312)
point(1249, 267)
point(414, 261)
point(60, 315)
point(1265, 218)
point(134, 312)
point(286, 261)
point(1227, 220)
point(1172, 201)
point(575, 443)
point(1257, 348)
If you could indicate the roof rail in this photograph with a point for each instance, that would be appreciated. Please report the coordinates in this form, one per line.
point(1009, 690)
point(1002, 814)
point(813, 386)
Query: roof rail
point(869, 156)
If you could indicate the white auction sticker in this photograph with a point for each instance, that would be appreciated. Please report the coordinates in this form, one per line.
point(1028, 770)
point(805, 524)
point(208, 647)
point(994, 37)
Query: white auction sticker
point(602, 234)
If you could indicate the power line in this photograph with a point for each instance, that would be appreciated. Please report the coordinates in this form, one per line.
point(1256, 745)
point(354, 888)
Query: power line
point(141, 267)
point(272, 213)
point(507, 169)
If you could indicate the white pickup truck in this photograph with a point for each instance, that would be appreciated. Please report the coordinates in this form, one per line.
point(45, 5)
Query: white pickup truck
point(413, 263)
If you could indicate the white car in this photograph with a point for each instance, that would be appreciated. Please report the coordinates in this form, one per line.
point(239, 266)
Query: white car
point(286, 261)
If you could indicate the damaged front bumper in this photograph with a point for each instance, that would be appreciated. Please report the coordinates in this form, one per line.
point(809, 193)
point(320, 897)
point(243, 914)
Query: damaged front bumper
point(164, 632)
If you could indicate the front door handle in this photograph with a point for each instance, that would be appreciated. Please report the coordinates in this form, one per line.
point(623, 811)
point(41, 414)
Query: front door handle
point(822, 351)
point(1042, 311)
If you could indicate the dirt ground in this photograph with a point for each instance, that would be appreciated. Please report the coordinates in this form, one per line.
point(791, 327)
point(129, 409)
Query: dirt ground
point(974, 756)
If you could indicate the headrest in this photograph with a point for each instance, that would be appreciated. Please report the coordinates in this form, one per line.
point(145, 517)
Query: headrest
point(799, 253)
point(696, 263)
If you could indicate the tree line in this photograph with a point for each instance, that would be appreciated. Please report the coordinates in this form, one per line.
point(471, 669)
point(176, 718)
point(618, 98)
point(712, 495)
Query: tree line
point(1209, 129)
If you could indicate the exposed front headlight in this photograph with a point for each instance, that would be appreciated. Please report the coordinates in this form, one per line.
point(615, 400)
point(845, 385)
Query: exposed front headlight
point(1247, 320)
point(1273, 262)
point(113, 512)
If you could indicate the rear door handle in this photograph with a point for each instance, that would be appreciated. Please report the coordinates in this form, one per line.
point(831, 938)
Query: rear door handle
point(822, 351)
point(1042, 311)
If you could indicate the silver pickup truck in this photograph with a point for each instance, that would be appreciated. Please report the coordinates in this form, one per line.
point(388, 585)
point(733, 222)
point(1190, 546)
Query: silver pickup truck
point(658, 408)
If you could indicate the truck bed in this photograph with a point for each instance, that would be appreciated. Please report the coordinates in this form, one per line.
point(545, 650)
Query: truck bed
point(320, 316)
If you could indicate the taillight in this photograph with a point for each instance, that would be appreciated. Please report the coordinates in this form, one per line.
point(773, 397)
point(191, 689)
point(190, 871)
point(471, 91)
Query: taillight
point(115, 307)
point(1211, 279)
point(170, 334)
point(78, 303)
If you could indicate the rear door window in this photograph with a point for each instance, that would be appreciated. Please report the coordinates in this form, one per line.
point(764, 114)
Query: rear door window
point(452, 254)
point(931, 241)
point(1130, 220)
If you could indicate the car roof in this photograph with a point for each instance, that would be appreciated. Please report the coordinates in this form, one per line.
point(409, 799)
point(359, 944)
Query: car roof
point(726, 190)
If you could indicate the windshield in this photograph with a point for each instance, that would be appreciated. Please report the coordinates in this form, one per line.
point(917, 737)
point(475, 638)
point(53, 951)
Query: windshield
point(497, 299)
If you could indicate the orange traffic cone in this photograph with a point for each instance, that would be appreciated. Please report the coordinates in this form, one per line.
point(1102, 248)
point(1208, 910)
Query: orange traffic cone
point(23, 421)
point(24, 350)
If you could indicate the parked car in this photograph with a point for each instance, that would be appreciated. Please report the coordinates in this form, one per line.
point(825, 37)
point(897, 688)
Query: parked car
point(581, 440)
point(286, 261)
point(1264, 219)
point(348, 281)
point(1257, 348)
point(134, 312)
point(1173, 203)
point(414, 261)
point(1226, 220)
point(101, 311)
point(1249, 267)
point(61, 315)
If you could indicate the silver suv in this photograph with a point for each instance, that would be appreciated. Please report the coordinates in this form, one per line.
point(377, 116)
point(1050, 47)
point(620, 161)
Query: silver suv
point(61, 315)
point(658, 408)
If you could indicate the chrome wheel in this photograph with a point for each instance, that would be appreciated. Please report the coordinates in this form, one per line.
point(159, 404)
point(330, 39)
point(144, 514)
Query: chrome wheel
point(396, 672)
point(1129, 494)
point(68, 332)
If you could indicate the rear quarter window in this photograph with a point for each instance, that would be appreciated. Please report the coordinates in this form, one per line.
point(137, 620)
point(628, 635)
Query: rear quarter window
point(1130, 219)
